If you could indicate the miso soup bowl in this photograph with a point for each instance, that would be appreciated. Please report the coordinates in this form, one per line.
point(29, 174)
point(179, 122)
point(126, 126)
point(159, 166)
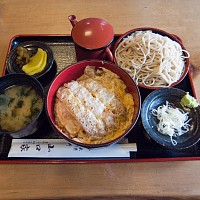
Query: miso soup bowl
point(162, 33)
point(23, 79)
point(75, 71)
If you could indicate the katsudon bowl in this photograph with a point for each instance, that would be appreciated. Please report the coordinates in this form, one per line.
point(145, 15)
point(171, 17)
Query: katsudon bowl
point(65, 122)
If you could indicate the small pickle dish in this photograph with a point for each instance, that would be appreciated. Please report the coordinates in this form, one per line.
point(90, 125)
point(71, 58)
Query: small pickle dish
point(31, 57)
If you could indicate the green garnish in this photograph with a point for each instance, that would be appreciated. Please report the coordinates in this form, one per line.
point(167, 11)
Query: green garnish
point(20, 104)
point(189, 101)
point(4, 101)
point(25, 91)
point(34, 101)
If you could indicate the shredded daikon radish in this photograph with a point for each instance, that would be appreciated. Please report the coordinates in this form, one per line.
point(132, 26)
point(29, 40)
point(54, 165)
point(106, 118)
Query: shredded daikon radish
point(172, 121)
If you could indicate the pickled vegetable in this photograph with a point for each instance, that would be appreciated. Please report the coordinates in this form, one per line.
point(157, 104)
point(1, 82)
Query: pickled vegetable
point(37, 63)
point(23, 56)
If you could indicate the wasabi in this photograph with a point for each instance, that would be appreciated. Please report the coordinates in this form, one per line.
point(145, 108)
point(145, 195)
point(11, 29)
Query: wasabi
point(189, 101)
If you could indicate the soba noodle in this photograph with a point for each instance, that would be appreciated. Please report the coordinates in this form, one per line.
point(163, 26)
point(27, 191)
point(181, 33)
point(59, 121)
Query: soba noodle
point(151, 59)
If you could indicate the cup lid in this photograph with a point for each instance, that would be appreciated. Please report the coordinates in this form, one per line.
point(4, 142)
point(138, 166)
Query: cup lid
point(92, 33)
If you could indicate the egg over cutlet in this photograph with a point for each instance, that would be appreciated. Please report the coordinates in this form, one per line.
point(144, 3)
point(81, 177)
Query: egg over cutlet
point(95, 108)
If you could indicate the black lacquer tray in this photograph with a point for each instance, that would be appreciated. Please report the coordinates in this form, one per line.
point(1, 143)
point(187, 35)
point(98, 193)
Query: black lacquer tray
point(64, 55)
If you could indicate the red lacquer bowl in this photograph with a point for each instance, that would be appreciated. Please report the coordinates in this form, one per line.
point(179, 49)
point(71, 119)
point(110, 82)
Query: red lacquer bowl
point(75, 71)
point(163, 33)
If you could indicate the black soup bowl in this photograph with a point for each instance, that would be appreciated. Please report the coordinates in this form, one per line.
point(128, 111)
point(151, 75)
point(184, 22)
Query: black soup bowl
point(34, 124)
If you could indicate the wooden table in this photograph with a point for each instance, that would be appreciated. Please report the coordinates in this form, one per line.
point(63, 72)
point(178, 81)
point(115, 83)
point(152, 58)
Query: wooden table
point(150, 180)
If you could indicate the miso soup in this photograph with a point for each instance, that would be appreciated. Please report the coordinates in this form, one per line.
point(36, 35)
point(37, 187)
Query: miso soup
point(19, 106)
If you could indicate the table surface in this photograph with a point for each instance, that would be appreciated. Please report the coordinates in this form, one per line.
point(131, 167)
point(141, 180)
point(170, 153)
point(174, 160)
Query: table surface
point(178, 179)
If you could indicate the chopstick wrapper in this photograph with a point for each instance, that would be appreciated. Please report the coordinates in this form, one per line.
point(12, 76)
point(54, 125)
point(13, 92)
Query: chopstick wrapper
point(60, 148)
